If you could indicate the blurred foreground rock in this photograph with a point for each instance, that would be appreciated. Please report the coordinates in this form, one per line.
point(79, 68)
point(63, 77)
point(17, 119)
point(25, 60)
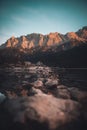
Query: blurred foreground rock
point(32, 98)
point(44, 110)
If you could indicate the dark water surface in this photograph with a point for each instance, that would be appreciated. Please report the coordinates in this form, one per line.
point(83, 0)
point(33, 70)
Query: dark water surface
point(13, 79)
point(73, 77)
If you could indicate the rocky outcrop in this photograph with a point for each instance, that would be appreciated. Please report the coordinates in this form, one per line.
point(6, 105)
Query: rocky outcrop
point(32, 98)
point(82, 32)
point(43, 108)
point(54, 39)
point(12, 42)
point(72, 35)
point(51, 39)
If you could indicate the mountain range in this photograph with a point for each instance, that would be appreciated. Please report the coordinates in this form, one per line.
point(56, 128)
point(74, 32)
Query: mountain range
point(34, 39)
point(53, 48)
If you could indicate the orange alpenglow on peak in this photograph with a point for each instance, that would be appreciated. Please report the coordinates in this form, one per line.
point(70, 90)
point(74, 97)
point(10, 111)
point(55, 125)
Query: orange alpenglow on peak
point(35, 39)
point(12, 42)
point(72, 35)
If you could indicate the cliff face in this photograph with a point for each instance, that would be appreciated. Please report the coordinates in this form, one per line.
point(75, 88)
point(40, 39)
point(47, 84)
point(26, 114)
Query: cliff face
point(83, 33)
point(33, 40)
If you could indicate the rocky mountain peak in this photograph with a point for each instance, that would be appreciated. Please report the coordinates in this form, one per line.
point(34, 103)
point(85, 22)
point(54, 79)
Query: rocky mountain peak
point(36, 39)
point(11, 42)
point(72, 35)
point(12, 38)
point(24, 42)
point(83, 32)
point(84, 28)
point(53, 35)
point(54, 38)
point(23, 38)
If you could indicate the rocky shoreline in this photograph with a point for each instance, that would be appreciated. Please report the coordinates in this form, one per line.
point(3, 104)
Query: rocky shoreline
point(32, 97)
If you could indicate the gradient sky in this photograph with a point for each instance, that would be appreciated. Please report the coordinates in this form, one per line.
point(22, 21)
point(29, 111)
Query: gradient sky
point(21, 17)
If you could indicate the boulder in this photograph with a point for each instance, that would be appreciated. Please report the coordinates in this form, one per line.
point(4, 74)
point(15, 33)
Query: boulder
point(63, 92)
point(38, 84)
point(62, 87)
point(78, 95)
point(50, 83)
point(43, 110)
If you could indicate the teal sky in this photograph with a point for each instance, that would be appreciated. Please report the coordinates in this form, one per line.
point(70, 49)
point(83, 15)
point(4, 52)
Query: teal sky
point(21, 17)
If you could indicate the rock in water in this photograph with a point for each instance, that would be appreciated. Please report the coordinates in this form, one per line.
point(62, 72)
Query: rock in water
point(42, 108)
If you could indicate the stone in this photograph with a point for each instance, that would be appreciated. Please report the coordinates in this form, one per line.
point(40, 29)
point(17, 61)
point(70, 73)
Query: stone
point(38, 84)
point(81, 97)
point(51, 83)
point(62, 87)
point(78, 95)
point(63, 93)
point(43, 109)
